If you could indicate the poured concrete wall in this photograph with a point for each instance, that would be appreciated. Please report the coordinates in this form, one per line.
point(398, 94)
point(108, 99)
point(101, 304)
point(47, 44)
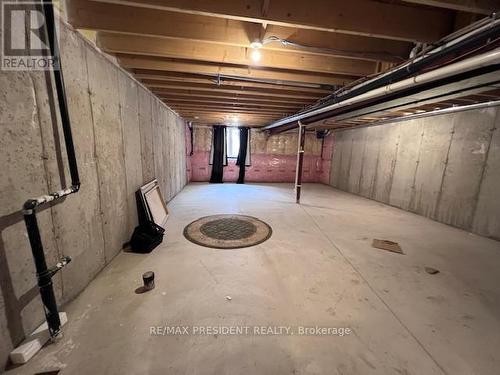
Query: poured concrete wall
point(124, 137)
point(444, 167)
point(273, 159)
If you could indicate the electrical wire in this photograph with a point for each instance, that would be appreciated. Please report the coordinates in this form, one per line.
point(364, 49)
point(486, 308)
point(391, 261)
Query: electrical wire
point(367, 55)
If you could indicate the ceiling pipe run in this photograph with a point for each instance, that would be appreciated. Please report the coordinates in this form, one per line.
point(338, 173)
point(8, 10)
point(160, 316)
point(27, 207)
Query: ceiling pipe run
point(437, 112)
point(486, 59)
point(463, 43)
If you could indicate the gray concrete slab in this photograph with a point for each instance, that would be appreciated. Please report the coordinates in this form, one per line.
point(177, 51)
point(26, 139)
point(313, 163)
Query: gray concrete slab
point(370, 160)
point(158, 145)
point(23, 176)
point(103, 83)
point(163, 152)
point(336, 159)
point(129, 114)
point(171, 152)
point(407, 160)
point(432, 166)
point(433, 154)
point(387, 157)
point(453, 315)
point(318, 268)
point(464, 169)
point(486, 217)
point(34, 163)
point(146, 127)
point(345, 161)
point(357, 158)
point(78, 221)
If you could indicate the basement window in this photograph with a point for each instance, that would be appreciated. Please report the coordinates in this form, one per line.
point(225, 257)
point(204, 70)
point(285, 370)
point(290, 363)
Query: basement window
point(233, 142)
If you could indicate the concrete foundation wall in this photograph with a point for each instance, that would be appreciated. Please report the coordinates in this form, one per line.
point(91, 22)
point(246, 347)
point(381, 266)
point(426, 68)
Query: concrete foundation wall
point(444, 167)
point(124, 137)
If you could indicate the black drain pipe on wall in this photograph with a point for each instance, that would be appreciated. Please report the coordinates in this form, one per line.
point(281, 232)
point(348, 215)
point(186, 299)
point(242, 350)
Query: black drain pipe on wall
point(44, 274)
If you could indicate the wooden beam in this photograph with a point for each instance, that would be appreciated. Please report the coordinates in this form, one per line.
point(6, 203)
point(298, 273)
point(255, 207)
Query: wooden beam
point(136, 62)
point(235, 106)
point(200, 51)
point(230, 108)
point(221, 82)
point(85, 14)
point(212, 88)
point(220, 116)
point(210, 115)
point(205, 101)
point(360, 17)
point(191, 93)
point(337, 44)
point(239, 98)
point(471, 6)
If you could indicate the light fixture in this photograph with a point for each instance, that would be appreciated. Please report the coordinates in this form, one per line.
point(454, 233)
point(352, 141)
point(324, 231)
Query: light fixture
point(256, 55)
point(256, 45)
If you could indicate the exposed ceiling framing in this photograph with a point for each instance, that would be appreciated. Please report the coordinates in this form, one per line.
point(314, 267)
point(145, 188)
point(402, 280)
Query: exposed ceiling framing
point(197, 56)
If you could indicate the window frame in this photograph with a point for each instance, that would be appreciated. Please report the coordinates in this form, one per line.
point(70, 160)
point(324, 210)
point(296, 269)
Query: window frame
point(234, 131)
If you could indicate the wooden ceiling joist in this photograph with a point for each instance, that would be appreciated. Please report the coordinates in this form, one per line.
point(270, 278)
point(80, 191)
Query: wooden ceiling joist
point(230, 108)
point(209, 101)
point(222, 82)
point(152, 63)
point(212, 89)
point(231, 98)
point(200, 51)
point(212, 115)
point(359, 17)
point(149, 22)
point(195, 55)
point(204, 104)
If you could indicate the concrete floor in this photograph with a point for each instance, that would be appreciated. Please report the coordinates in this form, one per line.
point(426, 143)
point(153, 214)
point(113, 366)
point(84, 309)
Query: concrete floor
point(318, 268)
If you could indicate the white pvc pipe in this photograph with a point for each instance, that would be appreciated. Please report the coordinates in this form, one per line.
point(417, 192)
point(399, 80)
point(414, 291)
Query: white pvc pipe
point(437, 112)
point(489, 58)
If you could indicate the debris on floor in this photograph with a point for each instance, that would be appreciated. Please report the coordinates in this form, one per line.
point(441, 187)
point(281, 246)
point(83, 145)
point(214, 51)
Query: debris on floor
point(228, 298)
point(387, 245)
point(431, 270)
point(148, 279)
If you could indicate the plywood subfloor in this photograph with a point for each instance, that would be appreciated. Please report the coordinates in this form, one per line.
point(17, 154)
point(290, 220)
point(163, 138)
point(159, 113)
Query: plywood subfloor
point(318, 268)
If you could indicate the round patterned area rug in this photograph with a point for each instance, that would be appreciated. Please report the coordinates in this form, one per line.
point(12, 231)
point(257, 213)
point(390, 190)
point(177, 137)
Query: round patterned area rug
point(227, 231)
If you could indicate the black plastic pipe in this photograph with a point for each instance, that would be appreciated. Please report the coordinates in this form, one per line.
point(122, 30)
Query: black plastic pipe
point(44, 274)
point(426, 62)
point(61, 92)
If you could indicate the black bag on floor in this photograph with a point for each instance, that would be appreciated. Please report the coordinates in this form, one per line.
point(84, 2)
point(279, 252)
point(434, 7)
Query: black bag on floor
point(146, 237)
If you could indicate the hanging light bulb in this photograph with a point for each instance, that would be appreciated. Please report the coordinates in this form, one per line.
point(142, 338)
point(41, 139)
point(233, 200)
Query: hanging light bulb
point(256, 55)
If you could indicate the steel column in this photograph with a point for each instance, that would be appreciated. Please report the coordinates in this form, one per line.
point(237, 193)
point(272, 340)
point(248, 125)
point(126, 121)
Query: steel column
point(300, 161)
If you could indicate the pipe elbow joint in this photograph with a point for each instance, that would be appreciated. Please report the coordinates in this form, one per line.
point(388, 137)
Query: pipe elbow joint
point(29, 206)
